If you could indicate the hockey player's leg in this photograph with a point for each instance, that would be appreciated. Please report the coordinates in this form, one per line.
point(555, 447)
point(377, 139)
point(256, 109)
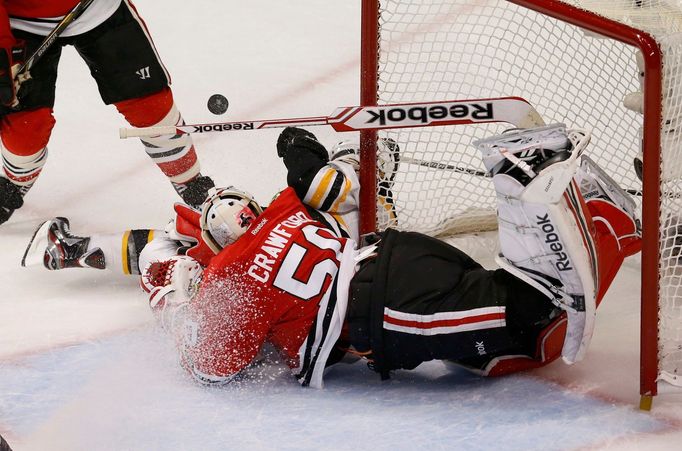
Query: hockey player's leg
point(130, 75)
point(174, 155)
point(546, 231)
point(24, 138)
point(57, 248)
point(25, 133)
point(54, 246)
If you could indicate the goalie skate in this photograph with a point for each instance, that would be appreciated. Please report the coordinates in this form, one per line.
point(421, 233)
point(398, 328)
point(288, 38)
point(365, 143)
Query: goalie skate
point(56, 247)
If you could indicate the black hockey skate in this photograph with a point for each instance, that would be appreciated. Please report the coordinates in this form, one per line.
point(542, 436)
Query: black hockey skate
point(57, 248)
point(195, 191)
point(11, 198)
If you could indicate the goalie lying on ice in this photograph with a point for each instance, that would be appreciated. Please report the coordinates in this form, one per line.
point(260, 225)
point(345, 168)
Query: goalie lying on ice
point(294, 275)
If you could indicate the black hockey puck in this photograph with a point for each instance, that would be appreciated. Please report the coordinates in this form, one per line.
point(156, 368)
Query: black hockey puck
point(217, 104)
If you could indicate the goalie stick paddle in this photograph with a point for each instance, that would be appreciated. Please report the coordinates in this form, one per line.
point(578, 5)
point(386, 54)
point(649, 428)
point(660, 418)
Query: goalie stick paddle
point(514, 110)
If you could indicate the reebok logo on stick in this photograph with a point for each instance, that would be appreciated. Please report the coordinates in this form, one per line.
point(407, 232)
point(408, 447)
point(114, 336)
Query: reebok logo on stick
point(425, 115)
point(513, 110)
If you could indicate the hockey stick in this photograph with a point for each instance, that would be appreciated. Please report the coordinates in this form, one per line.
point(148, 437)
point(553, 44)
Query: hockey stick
point(476, 172)
point(513, 110)
point(23, 73)
point(444, 166)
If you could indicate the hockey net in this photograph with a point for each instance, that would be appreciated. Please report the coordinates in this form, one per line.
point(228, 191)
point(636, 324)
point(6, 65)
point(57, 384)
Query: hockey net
point(575, 61)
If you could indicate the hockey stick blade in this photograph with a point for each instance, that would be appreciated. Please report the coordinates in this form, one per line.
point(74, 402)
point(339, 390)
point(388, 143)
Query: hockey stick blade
point(513, 110)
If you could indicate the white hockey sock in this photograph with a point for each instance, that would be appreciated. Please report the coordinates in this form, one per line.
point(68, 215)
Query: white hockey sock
point(122, 251)
point(23, 170)
point(174, 154)
point(110, 244)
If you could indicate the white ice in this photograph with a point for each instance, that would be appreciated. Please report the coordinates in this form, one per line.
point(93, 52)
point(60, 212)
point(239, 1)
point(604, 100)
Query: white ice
point(83, 367)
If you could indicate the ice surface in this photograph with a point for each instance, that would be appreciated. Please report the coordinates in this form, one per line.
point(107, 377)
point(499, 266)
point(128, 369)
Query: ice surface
point(127, 392)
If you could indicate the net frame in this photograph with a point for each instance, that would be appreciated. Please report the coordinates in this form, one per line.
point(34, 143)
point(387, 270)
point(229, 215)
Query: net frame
point(651, 142)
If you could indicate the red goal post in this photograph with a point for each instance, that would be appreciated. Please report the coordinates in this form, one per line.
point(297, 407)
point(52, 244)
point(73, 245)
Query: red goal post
point(550, 53)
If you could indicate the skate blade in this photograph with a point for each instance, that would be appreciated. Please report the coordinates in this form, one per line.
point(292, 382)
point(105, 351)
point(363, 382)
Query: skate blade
point(33, 255)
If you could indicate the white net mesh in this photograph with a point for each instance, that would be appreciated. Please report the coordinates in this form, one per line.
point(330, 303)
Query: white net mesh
point(434, 50)
point(457, 49)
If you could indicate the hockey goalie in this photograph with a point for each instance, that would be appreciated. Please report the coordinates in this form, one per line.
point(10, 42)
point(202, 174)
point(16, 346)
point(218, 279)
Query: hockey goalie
point(228, 279)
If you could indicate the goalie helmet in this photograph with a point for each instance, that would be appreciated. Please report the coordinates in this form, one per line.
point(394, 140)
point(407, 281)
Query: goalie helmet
point(225, 215)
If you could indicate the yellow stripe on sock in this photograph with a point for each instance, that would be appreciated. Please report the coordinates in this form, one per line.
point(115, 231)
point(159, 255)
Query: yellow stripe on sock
point(124, 252)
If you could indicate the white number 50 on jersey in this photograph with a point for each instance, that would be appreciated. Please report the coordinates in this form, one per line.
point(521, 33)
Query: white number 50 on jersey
point(307, 271)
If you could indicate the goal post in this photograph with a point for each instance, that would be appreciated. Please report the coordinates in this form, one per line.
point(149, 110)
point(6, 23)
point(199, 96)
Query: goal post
point(574, 60)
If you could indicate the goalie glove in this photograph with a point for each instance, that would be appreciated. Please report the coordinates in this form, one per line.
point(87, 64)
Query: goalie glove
point(293, 141)
point(171, 283)
point(186, 228)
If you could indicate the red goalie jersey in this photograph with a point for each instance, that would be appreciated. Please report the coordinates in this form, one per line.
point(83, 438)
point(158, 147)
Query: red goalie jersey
point(285, 281)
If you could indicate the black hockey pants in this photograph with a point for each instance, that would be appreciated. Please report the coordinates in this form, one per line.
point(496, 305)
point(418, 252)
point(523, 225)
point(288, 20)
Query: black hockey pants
point(422, 299)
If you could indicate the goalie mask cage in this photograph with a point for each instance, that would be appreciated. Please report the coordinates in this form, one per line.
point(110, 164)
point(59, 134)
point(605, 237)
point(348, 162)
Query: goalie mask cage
point(574, 61)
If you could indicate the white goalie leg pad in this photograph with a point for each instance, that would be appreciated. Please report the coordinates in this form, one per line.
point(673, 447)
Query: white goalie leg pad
point(545, 236)
point(539, 241)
